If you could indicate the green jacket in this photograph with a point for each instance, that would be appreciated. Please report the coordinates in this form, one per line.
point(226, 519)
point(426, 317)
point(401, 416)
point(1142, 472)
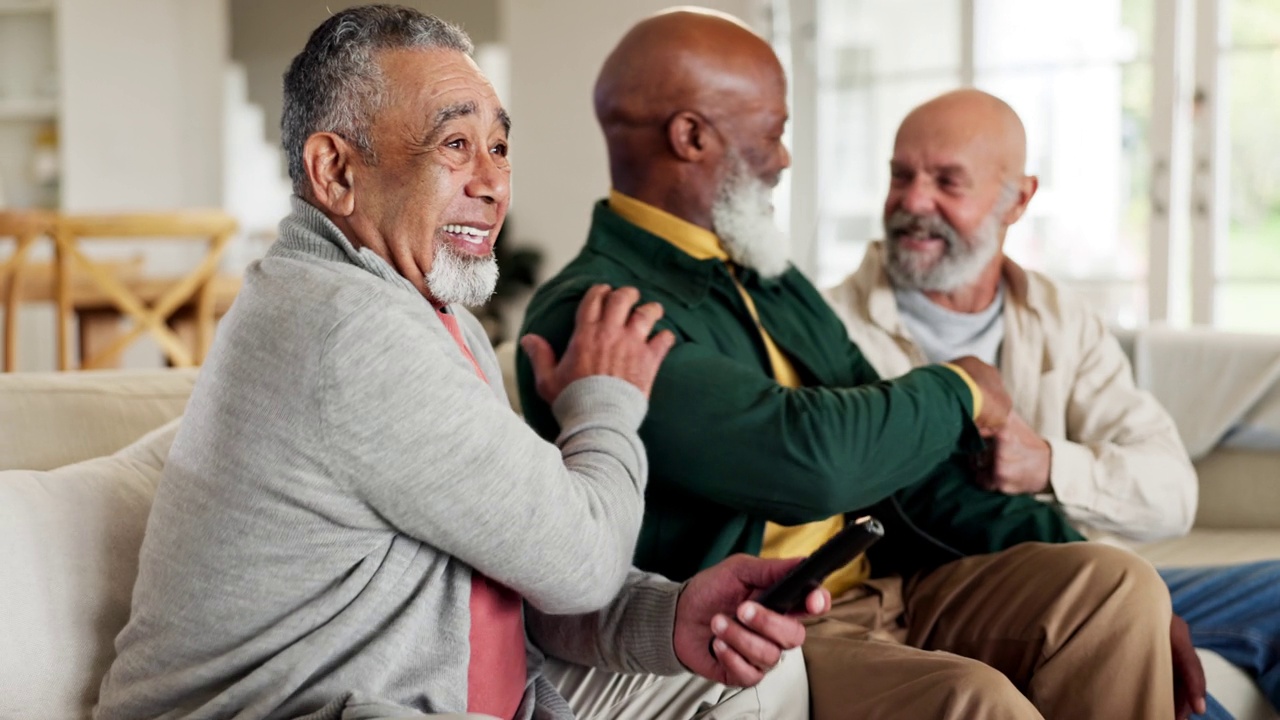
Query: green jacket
point(730, 449)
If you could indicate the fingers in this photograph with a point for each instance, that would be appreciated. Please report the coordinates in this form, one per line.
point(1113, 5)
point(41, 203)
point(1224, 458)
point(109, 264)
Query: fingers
point(1188, 672)
point(756, 572)
point(644, 318)
point(758, 639)
point(662, 343)
point(738, 672)
point(541, 356)
point(592, 305)
point(818, 602)
point(778, 631)
point(617, 306)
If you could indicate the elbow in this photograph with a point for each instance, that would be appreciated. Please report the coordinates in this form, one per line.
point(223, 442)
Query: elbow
point(590, 577)
point(815, 504)
point(1179, 523)
point(1176, 517)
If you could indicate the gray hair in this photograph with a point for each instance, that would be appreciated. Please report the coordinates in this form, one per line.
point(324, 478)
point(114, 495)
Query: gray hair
point(335, 84)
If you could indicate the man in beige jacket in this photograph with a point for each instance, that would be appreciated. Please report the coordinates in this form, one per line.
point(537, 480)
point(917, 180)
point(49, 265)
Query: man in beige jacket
point(1081, 434)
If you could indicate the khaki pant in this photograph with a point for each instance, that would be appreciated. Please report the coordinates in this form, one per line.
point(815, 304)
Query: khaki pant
point(600, 695)
point(1054, 631)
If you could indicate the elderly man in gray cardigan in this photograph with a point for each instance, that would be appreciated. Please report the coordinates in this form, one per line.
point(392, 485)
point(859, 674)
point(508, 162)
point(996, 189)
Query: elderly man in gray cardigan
point(352, 523)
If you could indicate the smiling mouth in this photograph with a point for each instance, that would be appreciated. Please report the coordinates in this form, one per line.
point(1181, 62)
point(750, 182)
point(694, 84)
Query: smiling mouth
point(468, 234)
point(917, 235)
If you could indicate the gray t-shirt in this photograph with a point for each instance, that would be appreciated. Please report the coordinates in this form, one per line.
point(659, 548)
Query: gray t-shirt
point(945, 335)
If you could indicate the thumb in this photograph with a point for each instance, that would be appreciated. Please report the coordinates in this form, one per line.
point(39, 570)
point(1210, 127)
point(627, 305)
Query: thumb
point(541, 357)
point(761, 573)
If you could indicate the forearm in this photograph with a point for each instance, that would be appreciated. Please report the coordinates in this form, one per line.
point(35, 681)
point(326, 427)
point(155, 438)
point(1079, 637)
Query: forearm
point(1146, 490)
point(800, 455)
point(440, 458)
point(632, 634)
point(1122, 467)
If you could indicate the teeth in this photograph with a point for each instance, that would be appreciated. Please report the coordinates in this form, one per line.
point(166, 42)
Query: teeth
point(467, 232)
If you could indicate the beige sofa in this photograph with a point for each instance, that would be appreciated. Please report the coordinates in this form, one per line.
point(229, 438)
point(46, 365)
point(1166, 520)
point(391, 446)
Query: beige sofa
point(72, 519)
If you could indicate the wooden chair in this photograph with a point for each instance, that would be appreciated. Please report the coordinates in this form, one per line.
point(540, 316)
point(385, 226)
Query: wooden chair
point(25, 228)
point(151, 304)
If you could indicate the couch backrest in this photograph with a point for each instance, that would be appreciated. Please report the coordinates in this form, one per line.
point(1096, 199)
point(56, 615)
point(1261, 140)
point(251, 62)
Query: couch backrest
point(48, 420)
point(1211, 379)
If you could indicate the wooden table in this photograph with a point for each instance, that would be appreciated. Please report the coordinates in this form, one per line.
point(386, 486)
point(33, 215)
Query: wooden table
point(99, 320)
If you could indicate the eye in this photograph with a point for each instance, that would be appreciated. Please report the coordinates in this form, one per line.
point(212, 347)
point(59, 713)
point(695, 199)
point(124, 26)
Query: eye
point(457, 144)
point(950, 183)
point(500, 150)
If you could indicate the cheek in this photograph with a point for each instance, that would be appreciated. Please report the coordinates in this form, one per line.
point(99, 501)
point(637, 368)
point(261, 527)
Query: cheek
point(964, 217)
point(892, 202)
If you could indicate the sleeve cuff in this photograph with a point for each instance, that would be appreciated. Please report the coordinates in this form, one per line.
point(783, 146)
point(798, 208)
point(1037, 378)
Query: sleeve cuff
point(601, 395)
point(1071, 473)
point(651, 621)
point(973, 387)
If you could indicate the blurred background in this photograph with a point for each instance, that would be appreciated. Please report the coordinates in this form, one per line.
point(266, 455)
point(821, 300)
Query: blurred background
point(1151, 123)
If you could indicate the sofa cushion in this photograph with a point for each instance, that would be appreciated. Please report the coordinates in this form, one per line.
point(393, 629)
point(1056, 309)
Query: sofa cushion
point(68, 556)
point(1239, 488)
point(55, 419)
point(1213, 547)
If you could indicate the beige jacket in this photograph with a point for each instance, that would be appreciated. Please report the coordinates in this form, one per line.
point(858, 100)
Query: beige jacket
point(1118, 464)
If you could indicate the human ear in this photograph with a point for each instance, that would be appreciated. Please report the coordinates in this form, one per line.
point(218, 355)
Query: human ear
point(329, 162)
point(688, 136)
point(1026, 187)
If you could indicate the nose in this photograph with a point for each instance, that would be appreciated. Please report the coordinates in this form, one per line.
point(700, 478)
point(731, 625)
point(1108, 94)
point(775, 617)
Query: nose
point(786, 157)
point(490, 178)
point(917, 196)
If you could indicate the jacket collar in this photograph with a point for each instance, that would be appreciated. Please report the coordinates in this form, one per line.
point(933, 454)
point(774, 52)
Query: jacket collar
point(696, 242)
point(661, 263)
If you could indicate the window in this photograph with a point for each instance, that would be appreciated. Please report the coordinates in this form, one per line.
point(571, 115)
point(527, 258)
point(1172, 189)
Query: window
point(1247, 287)
point(1129, 152)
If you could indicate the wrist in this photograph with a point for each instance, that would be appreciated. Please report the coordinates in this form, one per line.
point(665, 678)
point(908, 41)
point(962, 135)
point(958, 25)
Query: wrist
point(1046, 479)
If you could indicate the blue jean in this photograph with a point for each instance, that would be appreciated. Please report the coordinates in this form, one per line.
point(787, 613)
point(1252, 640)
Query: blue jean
point(1234, 611)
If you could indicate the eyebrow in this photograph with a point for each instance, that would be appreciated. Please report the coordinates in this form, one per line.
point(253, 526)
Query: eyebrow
point(452, 112)
point(953, 168)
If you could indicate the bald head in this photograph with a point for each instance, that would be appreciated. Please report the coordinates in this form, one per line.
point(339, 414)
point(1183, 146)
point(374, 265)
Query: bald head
point(974, 119)
point(684, 59)
point(685, 93)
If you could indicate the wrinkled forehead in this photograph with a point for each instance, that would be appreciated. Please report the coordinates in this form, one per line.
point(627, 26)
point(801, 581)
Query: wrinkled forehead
point(926, 143)
point(438, 86)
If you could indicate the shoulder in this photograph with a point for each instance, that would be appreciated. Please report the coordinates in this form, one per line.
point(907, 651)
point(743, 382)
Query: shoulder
point(1060, 307)
point(333, 310)
point(849, 299)
point(1074, 332)
point(554, 304)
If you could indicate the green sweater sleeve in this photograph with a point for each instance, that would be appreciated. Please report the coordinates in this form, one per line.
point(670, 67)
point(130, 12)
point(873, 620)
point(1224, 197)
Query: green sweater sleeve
point(722, 430)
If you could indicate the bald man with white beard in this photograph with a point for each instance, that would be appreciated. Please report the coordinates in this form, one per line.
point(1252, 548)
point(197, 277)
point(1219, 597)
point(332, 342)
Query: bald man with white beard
point(1081, 435)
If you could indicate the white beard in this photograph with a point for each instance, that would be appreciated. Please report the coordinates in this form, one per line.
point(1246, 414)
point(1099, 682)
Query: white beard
point(462, 279)
point(742, 216)
point(960, 264)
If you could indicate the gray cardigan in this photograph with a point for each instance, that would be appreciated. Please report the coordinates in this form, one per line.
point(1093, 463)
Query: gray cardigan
point(339, 471)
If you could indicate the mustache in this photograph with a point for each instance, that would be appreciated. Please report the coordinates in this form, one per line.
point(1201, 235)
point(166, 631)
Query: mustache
point(902, 222)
